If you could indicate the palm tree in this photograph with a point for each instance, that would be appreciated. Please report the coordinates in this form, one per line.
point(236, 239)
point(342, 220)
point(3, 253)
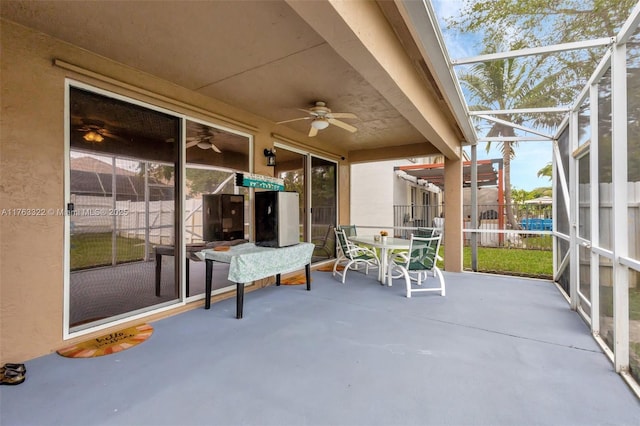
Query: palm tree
point(510, 84)
point(546, 171)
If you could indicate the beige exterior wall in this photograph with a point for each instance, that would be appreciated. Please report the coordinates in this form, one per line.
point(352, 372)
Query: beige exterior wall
point(32, 161)
point(453, 215)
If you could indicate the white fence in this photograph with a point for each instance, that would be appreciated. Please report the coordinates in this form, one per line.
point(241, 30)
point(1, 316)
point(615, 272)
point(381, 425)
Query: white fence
point(133, 220)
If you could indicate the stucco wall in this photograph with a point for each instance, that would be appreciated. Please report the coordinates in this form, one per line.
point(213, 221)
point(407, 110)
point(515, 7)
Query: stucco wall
point(375, 190)
point(32, 172)
point(32, 153)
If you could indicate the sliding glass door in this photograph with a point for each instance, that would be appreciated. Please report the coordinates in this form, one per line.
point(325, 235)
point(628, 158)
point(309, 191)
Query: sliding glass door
point(324, 202)
point(122, 208)
point(291, 166)
point(316, 180)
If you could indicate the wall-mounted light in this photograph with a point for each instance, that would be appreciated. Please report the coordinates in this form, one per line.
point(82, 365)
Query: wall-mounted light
point(270, 155)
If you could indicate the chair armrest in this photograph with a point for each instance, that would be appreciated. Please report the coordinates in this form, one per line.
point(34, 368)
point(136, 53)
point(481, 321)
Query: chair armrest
point(401, 257)
point(361, 250)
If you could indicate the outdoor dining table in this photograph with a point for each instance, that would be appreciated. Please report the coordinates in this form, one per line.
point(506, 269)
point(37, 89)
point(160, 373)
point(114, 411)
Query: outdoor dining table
point(249, 262)
point(386, 248)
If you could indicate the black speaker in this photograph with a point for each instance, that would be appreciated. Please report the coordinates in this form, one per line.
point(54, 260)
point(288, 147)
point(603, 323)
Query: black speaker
point(222, 217)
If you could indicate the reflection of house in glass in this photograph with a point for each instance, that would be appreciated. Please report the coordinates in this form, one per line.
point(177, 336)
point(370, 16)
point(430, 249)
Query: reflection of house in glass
point(93, 177)
point(108, 196)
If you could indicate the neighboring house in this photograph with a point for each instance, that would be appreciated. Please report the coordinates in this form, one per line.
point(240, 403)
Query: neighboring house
point(382, 197)
point(393, 193)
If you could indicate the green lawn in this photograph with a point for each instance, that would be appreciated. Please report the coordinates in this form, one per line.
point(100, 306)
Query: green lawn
point(542, 242)
point(606, 303)
point(92, 250)
point(512, 261)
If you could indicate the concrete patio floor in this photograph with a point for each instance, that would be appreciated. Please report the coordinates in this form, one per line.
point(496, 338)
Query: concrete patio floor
point(495, 351)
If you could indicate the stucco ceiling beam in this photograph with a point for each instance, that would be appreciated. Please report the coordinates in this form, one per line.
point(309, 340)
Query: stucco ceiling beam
point(359, 32)
point(398, 152)
point(428, 38)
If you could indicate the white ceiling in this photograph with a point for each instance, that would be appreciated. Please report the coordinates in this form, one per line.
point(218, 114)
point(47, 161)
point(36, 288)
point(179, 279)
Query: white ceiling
point(259, 56)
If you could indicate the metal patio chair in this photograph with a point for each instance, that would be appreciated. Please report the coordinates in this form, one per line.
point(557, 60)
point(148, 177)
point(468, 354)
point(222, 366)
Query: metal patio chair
point(416, 264)
point(353, 256)
point(323, 243)
point(349, 230)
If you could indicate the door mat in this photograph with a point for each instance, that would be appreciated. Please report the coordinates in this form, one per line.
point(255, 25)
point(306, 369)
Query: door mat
point(295, 280)
point(329, 268)
point(109, 343)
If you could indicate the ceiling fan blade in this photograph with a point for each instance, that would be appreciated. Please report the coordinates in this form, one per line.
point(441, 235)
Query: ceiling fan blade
point(341, 115)
point(110, 135)
point(342, 125)
point(192, 143)
point(294, 119)
point(215, 148)
point(315, 114)
point(312, 132)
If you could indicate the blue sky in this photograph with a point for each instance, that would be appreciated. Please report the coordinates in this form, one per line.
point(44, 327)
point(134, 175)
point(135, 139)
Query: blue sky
point(530, 156)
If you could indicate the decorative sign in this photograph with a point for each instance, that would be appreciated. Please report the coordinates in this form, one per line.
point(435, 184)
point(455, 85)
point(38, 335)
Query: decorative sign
point(250, 180)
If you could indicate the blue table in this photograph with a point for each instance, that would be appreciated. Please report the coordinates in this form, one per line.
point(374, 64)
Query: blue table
point(248, 263)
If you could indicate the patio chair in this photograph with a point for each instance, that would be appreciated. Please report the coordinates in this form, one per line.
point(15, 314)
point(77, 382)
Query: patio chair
point(353, 255)
point(416, 264)
point(322, 242)
point(349, 230)
point(425, 232)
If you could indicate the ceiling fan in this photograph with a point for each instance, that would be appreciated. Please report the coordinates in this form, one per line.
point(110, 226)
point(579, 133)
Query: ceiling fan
point(204, 140)
point(322, 116)
point(95, 131)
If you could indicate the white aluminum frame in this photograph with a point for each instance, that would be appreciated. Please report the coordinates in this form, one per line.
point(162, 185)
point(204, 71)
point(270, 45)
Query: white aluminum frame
point(180, 230)
point(66, 333)
point(532, 51)
point(594, 211)
point(620, 241)
point(614, 58)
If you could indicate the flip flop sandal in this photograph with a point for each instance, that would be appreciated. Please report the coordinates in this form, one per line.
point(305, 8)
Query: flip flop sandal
point(19, 368)
point(11, 377)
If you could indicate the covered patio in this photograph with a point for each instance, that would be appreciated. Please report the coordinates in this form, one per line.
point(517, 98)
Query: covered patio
point(496, 350)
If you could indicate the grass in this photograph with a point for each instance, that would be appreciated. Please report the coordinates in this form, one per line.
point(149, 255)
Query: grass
point(541, 242)
point(93, 250)
point(606, 303)
point(521, 262)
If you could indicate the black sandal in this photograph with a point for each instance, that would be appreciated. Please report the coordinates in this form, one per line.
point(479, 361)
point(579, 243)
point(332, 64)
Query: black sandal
point(11, 377)
point(18, 368)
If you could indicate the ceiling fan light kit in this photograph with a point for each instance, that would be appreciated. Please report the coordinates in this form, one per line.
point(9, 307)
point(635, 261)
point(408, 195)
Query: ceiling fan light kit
point(320, 123)
point(203, 140)
point(92, 136)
